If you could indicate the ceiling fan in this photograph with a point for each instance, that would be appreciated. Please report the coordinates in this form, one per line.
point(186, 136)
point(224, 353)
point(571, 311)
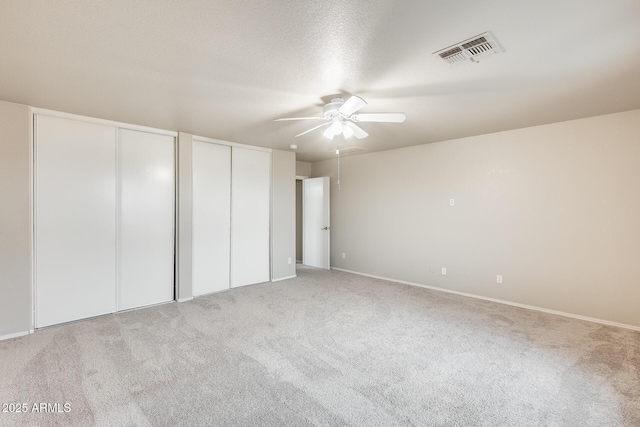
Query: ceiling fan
point(341, 118)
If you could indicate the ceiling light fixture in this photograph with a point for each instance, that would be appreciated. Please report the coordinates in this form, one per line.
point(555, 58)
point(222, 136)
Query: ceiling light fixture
point(328, 133)
point(339, 115)
point(336, 126)
point(347, 131)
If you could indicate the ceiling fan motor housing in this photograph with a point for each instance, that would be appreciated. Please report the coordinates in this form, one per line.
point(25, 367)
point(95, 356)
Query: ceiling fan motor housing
point(331, 109)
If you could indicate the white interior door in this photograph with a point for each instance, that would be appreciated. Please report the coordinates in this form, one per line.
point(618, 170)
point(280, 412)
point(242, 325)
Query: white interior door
point(211, 217)
point(250, 205)
point(316, 222)
point(75, 220)
point(146, 185)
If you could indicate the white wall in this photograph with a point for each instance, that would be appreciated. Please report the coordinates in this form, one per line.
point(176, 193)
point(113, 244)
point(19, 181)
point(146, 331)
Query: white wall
point(15, 220)
point(555, 209)
point(283, 217)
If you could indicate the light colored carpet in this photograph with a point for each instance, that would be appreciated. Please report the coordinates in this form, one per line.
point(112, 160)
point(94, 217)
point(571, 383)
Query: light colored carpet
point(327, 348)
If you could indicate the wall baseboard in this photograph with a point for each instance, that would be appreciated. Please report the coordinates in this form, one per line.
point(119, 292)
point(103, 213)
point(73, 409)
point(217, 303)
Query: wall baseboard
point(184, 299)
point(499, 301)
point(16, 335)
point(284, 278)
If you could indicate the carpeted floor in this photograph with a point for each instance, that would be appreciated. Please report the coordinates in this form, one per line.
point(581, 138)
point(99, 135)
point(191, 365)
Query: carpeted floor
point(327, 348)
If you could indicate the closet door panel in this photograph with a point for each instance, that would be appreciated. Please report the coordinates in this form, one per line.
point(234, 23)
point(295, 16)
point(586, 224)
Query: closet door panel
point(211, 217)
point(75, 220)
point(146, 186)
point(250, 204)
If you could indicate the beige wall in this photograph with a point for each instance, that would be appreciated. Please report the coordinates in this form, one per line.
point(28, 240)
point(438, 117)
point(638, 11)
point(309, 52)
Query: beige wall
point(284, 215)
point(15, 220)
point(303, 169)
point(555, 209)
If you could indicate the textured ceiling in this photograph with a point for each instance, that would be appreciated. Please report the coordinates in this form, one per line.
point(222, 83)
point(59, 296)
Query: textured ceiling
point(226, 69)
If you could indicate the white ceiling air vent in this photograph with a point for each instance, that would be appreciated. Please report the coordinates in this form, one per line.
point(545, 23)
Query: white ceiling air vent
point(470, 49)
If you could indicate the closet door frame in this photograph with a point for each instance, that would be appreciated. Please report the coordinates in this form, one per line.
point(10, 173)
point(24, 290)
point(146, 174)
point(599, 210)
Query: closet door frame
point(34, 111)
point(120, 125)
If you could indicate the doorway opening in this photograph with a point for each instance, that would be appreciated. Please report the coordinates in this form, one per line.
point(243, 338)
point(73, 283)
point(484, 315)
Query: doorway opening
point(316, 222)
point(299, 220)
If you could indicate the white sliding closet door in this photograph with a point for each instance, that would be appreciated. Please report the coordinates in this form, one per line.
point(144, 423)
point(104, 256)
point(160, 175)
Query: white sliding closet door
point(145, 218)
point(211, 217)
point(250, 204)
point(75, 220)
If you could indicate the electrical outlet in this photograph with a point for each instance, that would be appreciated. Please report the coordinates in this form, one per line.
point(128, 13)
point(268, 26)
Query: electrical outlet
point(444, 271)
point(499, 278)
point(289, 261)
point(344, 255)
point(452, 202)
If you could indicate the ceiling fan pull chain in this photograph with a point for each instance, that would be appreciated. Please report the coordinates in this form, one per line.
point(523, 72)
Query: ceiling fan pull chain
point(338, 152)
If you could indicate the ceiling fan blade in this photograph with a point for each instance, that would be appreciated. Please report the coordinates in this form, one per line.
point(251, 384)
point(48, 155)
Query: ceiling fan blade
point(358, 132)
point(300, 118)
point(380, 117)
point(352, 105)
point(312, 129)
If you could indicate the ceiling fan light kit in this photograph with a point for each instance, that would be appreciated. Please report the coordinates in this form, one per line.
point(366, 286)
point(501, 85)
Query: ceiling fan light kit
point(340, 116)
point(328, 133)
point(347, 131)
